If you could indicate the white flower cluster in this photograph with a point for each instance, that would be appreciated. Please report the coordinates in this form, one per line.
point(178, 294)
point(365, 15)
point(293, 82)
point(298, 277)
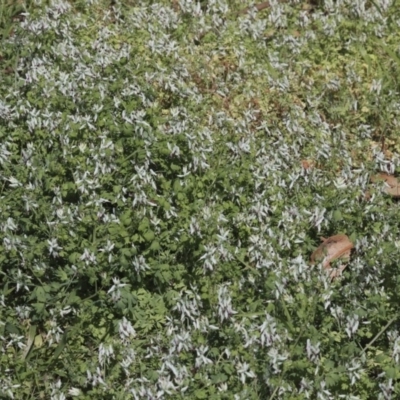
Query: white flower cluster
point(210, 139)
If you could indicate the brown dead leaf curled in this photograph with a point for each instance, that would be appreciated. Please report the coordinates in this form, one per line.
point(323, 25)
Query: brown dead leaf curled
point(333, 248)
point(392, 185)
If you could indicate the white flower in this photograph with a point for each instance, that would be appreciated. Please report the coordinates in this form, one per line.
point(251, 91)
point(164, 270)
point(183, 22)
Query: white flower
point(54, 248)
point(340, 183)
point(74, 392)
point(312, 351)
point(352, 325)
point(244, 371)
point(225, 310)
point(126, 330)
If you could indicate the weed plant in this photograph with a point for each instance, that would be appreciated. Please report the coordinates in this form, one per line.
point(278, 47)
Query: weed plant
point(166, 170)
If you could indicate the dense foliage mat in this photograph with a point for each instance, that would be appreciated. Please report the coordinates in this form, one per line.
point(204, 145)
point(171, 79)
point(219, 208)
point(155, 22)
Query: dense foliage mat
point(167, 169)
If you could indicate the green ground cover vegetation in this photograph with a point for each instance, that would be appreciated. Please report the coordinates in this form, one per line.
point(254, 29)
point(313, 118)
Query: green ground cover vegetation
point(166, 170)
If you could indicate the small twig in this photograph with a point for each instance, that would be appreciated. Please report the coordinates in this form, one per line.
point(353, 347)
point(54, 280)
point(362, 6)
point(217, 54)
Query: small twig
point(383, 142)
point(247, 266)
point(378, 335)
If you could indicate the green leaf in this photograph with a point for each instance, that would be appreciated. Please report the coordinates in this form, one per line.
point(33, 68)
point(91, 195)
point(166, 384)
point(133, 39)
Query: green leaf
point(219, 378)
point(177, 186)
point(337, 216)
point(40, 294)
point(30, 341)
point(11, 328)
point(60, 347)
point(144, 225)
point(126, 218)
point(149, 235)
point(155, 245)
point(200, 394)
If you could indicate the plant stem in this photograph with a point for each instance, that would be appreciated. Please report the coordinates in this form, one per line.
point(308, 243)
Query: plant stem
point(378, 335)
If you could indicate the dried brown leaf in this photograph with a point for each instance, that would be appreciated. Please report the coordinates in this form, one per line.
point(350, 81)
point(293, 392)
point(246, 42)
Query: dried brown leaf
point(332, 248)
point(392, 186)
